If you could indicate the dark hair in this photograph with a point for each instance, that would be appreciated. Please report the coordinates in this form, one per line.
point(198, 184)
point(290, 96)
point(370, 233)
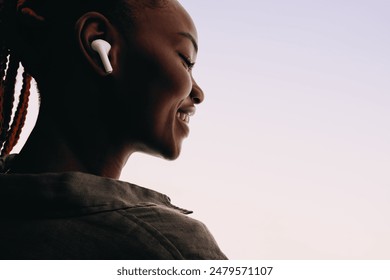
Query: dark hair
point(64, 14)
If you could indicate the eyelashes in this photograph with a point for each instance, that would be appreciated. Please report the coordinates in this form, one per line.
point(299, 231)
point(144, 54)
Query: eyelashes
point(187, 61)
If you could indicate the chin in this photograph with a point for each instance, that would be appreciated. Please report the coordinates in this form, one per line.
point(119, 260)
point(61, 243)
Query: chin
point(171, 154)
point(168, 148)
point(170, 151)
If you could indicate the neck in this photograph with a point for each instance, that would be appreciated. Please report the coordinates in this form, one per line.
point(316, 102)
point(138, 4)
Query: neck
point(50, 148)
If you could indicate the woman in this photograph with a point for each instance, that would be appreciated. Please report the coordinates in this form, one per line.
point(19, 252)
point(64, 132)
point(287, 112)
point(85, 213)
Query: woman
point(60, 196)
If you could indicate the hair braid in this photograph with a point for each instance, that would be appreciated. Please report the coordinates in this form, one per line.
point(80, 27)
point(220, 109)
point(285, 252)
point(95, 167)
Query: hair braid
point(9, 134)
point(8, 95)
point(3, 65)
point(3, 62)
point(20, 116)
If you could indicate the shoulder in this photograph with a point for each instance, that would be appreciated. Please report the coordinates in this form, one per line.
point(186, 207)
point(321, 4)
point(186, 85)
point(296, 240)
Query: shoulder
point(80, 216)
point(190, 237)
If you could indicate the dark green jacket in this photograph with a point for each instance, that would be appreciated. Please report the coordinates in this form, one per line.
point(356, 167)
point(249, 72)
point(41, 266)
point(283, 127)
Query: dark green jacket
point(82, 216)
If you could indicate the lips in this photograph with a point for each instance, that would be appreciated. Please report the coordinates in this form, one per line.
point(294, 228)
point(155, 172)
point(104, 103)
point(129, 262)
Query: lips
point(185, 113)
point(184, 117)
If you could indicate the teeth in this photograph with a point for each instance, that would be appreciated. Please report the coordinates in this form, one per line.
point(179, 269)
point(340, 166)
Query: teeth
point(183, 116)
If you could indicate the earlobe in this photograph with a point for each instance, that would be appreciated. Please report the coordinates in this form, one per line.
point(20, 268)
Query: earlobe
point(92, 29)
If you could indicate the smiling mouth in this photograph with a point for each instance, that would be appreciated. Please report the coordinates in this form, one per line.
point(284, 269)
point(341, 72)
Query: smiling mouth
point(185, 117)
point(185, 113)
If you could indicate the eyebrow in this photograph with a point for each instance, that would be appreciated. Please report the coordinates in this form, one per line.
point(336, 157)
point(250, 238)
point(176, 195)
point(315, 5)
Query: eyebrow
point(189, 36)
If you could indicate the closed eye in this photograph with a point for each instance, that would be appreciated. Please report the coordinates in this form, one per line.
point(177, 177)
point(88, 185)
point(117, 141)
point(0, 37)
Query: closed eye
point(187, 61)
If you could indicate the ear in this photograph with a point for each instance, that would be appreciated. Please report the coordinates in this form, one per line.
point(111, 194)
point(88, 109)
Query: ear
point(92, 26)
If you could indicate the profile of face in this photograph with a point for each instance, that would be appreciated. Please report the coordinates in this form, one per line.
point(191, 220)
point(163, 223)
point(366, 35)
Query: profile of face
point(157, 92)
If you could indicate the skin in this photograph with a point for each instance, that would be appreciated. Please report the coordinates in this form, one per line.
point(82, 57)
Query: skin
point(95, 126)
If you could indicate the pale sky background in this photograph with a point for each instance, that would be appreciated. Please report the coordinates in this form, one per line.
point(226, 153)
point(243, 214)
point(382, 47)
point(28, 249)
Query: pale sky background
point(289, 155)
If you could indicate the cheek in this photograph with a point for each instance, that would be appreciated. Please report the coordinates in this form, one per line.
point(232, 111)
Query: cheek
point(170, 87)
point(152, 91)
point(172, 76)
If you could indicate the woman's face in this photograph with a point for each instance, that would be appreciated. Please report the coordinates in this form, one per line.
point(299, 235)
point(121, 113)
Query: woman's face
point(158, 93)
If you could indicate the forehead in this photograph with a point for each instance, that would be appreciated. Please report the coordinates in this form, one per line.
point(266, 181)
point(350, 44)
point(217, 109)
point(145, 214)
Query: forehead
point(168, 18)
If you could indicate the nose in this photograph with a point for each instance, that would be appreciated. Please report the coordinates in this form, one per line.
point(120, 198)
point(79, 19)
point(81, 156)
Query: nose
point(197, 94)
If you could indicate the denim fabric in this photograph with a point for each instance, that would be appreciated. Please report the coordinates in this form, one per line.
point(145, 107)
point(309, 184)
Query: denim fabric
point(82, 216)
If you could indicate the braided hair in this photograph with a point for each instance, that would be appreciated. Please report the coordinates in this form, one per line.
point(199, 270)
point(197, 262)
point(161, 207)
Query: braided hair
point(10, 128)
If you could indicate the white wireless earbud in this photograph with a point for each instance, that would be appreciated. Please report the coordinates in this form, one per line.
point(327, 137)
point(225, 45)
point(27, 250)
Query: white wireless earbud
point(103, 48)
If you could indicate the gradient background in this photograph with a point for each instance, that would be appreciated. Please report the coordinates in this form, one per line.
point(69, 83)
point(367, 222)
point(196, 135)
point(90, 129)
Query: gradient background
point(288, 156)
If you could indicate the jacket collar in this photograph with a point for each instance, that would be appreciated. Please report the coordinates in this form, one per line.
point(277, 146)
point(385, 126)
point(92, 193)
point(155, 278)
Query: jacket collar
point(71, 194)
